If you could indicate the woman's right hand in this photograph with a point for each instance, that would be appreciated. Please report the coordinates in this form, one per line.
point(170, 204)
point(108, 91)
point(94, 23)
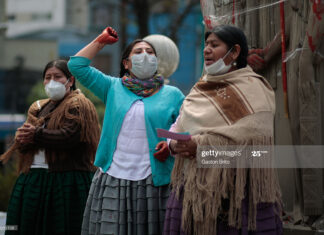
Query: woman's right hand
point(183, 148)
point(25, 133)
point(108, 36)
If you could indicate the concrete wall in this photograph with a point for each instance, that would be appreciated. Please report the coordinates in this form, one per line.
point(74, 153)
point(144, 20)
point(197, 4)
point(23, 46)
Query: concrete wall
point(77, 13)
point(36, 53)
point(28, 16)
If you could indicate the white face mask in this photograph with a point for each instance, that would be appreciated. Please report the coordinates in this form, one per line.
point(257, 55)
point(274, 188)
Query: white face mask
point(55, 90)
point(143, 65)
point(219, 67)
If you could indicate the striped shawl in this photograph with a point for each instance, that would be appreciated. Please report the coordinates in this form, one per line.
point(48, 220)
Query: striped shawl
point(235, 109)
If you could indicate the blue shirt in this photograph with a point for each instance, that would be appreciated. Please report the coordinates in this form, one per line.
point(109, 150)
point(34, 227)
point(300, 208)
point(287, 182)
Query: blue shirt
point(160, 111)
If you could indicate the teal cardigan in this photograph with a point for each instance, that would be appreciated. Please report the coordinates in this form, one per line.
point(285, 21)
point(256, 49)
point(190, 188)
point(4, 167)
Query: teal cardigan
point(160, 110)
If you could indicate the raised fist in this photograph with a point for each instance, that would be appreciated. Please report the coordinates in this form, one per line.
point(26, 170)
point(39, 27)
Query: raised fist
point(108, 36)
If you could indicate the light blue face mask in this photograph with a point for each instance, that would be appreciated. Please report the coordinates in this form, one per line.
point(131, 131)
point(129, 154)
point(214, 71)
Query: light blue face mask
point(219, 67)
point(143, 65)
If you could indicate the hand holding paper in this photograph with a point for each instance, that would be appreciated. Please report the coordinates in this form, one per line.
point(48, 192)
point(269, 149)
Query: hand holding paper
point(183, 145)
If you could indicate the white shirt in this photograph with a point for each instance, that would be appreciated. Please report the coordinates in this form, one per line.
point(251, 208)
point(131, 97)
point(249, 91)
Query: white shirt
point(131, 160)
point(39, 160)
point(172, 129)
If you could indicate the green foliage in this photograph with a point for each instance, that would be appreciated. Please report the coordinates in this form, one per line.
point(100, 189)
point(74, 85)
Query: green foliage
point(8, 176)
point(38, 92)
point(100, 107)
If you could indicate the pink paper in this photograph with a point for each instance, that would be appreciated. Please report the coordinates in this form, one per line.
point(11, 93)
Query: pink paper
point(172, 135)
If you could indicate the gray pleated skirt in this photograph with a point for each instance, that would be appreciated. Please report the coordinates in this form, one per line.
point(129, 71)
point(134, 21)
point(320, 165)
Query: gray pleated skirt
point(117, 206)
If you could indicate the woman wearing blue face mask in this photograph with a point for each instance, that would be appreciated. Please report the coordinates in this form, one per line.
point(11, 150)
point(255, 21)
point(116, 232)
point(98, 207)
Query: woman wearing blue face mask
point(129, 190)
point(230, 109)
point(56, 148)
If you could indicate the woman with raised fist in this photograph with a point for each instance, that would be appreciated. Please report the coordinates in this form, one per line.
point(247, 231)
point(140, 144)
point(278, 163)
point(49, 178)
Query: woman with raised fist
point(130, 188)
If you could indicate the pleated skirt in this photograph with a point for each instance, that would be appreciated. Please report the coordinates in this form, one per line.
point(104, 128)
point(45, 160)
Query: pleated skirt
point(45, 202)
point(268, 221)
point(120, 207)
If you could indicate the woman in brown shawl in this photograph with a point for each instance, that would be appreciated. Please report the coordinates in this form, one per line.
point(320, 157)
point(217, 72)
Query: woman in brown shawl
point(230, 106)
point(56, 148)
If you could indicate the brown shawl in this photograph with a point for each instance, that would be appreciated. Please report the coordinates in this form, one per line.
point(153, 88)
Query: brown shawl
point(86, 116)
point(234, 109)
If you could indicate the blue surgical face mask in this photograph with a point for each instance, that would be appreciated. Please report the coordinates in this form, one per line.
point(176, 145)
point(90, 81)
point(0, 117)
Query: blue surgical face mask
point(219, 67)
point(143, 65)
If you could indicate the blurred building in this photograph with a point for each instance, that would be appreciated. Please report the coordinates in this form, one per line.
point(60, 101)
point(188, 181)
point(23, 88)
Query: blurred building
point(42, 30)
point(2, 30)
point(35, 32)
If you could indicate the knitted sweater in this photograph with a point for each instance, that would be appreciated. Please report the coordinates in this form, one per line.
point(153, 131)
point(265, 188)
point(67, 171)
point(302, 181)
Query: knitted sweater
point(160, 111)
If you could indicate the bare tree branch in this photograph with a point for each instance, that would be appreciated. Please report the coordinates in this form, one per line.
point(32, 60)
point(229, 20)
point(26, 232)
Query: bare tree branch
point(124, 21)
point(143, 9)
point(176, 24)
point(142, 13)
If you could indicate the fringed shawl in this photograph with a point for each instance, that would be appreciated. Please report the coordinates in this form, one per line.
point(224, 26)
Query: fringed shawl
point(86, 116)
point(235, 109)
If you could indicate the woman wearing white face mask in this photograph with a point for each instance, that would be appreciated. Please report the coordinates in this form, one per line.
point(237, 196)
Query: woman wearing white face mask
point(56, 148)
point(129, 190)
point(230, 108)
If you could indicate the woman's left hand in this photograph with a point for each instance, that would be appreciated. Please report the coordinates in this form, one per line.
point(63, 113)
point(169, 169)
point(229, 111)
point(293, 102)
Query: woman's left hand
point(25, 134)
point(163, 151)
point(185, 148)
